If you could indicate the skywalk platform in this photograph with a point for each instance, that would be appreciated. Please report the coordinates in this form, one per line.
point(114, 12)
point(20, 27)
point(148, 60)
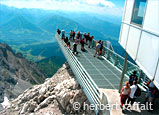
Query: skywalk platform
point(95, 74)
point(106, 70)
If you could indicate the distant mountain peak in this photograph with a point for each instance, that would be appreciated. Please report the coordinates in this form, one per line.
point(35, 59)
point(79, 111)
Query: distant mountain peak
point(18, 22)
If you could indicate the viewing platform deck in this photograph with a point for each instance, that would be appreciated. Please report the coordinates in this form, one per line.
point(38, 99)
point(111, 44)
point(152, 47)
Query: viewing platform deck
point(103, 73)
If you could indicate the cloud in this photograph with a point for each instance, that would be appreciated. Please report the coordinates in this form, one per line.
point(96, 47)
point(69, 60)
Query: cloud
point(95, 6)
point(103, 3)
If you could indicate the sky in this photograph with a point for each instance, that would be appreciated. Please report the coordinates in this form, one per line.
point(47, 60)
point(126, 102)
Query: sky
point(105, 7)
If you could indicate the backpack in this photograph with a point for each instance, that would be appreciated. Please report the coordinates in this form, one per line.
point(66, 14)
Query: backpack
point(137, 92)
point(98, 45)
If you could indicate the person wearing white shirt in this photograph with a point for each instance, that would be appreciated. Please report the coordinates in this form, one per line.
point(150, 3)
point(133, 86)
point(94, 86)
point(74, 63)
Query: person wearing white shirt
point(132, 97)
point(63, 31)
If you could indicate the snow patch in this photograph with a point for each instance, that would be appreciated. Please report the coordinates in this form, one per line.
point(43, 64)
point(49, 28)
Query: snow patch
point(5, 102)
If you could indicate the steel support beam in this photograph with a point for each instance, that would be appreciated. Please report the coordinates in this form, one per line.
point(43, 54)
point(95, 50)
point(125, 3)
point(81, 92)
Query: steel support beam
point(123, 72)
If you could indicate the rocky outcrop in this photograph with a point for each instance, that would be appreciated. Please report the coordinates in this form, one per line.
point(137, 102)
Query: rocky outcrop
point(56, 96)
point(16, 73)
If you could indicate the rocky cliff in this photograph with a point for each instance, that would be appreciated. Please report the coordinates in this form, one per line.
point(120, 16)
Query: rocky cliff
point(56, 96)
point(16, 73)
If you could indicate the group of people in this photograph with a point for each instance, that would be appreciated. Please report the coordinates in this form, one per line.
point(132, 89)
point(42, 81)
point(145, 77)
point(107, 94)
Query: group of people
point(80, 38)
point(131, 91)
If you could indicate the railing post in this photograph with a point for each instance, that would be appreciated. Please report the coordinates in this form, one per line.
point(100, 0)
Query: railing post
point(92, 44)
point(126, 68)
point(108, 55)
point(123, 72)
point(116, 61)
point(140, 76)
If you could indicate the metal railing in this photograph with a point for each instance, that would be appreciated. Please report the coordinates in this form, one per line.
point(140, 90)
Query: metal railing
point(118, 61)
point(88, 85)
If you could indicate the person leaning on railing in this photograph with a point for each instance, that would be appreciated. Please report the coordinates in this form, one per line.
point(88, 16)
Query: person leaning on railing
point(97, 48)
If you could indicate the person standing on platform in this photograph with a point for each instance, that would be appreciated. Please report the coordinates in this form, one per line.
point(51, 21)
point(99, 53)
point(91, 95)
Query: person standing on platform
point(87, 38)
point(132, 97)
point(90, 41)
point(63, 33)
point(84, 35)
point(74, 47)
point(125, 92)
point(71, 34)
point(97, 48)
point(74, 35)
point(78, 35)
point(101, 49)
point(66, 40)
point(82, 44)
point(132, 77)
point(58, 31)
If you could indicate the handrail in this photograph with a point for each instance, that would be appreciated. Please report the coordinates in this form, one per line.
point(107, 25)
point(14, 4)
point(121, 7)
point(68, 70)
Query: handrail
point(115, 59)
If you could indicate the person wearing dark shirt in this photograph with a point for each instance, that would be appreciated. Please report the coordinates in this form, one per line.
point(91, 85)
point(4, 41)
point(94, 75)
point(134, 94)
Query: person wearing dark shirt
point(78, 35)
point(63, 37)
point(66, 40)
point(63, 34)
point(82, 44)
point(90, 41)
point(75, 48)
point(101, 48)
point(132, 77)
point(87, 38)
point(73, 35)
point(58, 31)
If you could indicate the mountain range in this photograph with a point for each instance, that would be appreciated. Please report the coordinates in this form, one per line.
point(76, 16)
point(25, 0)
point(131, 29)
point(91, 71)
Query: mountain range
point(45, 23)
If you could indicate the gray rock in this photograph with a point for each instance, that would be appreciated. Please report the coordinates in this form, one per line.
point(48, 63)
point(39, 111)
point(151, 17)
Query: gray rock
point(32, 107)
point(1, 107)
point(24, 108)
point(49, 97)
